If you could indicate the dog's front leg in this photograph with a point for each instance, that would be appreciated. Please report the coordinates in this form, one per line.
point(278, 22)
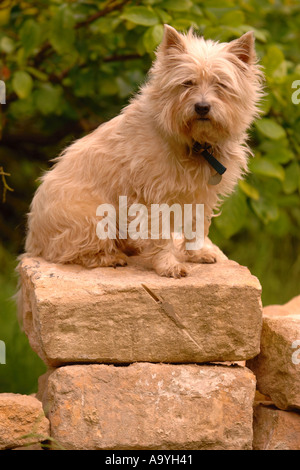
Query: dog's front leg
point(189, 250)
point(163, 257)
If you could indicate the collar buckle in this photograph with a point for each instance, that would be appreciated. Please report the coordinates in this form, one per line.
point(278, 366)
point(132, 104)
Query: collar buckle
point(213, 162)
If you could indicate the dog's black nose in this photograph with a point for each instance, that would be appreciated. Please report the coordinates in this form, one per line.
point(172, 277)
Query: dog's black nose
point(202, 108)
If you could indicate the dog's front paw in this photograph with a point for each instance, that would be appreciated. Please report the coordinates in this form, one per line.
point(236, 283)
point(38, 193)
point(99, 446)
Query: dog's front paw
point(119, 259)
point(205, 256)
point(177, 270)
point(166, 264)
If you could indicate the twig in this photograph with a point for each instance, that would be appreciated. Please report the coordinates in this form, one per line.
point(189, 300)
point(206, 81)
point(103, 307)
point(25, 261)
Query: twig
point(5, 185)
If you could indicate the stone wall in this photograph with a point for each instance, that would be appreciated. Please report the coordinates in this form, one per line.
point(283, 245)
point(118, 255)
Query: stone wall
point(277, 369)
point(142, 362)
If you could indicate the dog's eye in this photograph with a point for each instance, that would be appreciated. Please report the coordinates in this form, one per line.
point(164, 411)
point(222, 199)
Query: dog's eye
point(188, 83)
point(222, 85)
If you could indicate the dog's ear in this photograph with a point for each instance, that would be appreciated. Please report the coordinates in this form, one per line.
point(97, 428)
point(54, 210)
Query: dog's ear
point(171, 39)
point(244, 48)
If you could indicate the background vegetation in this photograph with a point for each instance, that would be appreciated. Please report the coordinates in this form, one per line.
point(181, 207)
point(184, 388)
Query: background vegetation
point(70, 65)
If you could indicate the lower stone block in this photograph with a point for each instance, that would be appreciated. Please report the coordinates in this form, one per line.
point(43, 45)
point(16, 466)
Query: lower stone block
point(150, 406)
point(275, 429)
point(21, 416)
point(277, 367)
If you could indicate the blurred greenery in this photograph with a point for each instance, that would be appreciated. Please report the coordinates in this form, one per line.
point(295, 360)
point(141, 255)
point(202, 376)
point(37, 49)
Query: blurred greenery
point(70, 65)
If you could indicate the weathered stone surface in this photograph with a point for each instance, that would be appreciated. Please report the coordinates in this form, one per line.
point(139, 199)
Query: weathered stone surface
point(277, 367)
point(275, 429)
point(151, 406)
point(74, 315)
point(21, 415)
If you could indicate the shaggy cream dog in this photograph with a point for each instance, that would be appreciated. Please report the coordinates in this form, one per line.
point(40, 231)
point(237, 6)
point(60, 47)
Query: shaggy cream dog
point(199, 100)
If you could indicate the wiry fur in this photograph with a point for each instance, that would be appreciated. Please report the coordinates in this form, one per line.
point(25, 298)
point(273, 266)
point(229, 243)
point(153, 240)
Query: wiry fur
point(145, 154)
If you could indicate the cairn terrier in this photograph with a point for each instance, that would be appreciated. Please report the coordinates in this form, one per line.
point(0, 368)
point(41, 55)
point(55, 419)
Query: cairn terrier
point(171, 144)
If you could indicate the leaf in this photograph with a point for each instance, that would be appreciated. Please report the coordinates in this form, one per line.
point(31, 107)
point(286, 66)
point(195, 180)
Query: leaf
point(292, 178)
point(153, 37)
point(105, 25)
point(233, 214)
point(108, 86)
point(195, 10)
point(22, 84)
point(183, 24)
point(7, 45)
point(233, 18)
point(281, 155)
point(265, 104)
point(265, 167)
point(4, 15)
point(289, 200)
point(260, 34)
point(22, 109)
point(177, 5)
point(221, 4)
point(30, 36)
point(272, 59)
point(84, 82)
point(141, 15)
point(62, 33)
point(163, 15)
point(280, 73)
point(270, 128)
point(47, 98)
point(249, 190)
point(43, 77)
point(125, 88)
point(265, 208)
point(281, 226)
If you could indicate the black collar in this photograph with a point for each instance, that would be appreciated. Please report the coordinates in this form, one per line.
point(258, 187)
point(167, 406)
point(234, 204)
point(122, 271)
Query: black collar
point(203, 150)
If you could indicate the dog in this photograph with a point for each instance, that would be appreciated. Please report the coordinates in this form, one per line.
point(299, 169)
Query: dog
point(172, 144)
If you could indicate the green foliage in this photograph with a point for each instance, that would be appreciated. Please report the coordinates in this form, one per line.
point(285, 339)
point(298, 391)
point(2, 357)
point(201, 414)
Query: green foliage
point(67, 61)
point(23, 367)
point(69, 65)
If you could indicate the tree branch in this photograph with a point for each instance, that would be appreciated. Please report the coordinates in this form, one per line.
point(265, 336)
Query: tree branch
point(113, 5)
point(120, 58)
point(5, 185)
point(114, 58)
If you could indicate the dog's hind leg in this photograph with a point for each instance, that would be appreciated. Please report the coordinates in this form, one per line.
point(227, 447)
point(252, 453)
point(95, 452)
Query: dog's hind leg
point(68, 234)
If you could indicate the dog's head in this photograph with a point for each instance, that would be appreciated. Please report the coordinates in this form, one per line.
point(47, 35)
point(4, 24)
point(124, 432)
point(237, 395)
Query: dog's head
point(204, 90)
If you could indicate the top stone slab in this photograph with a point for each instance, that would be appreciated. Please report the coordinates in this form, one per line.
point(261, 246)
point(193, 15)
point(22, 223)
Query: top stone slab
point(105, 315)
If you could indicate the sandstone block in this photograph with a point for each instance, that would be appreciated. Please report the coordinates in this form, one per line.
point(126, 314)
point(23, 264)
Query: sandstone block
point(277, 367)
point(275, 429)
point(130, 314)
point(21, 415)
point(150, 406)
